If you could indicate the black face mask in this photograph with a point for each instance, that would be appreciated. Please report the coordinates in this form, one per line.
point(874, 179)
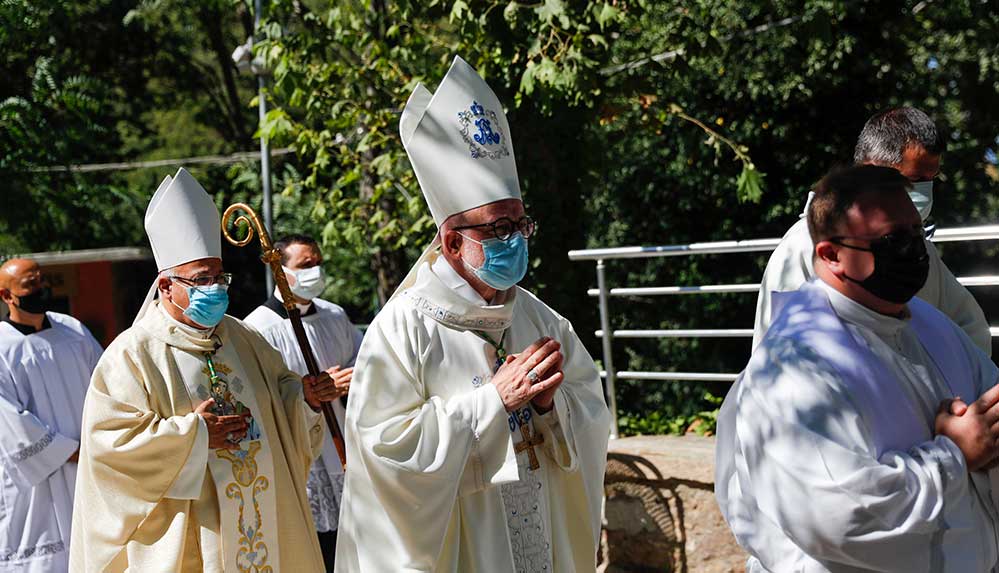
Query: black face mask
point(37, 302)
point(901, 265)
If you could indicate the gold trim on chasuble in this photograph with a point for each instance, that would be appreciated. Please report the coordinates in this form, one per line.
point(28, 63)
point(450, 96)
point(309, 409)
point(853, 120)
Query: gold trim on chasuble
point(253, 552)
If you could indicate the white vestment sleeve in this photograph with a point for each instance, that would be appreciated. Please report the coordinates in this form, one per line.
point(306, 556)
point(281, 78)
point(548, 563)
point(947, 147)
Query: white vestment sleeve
point(192, 475)
point(29, 450)
point(787, 269)
point(956, 301)
point(811, 468)
point(580, 391)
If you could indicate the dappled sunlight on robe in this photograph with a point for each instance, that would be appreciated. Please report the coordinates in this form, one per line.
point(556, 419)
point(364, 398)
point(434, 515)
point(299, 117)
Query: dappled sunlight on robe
point(826, 459)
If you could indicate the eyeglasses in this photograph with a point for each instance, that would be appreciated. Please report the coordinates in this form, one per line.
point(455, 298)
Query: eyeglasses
point(899, 241)
point(224, 279)
point(504, 227)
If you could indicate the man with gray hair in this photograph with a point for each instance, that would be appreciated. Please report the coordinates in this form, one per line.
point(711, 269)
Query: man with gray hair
point(907, 140)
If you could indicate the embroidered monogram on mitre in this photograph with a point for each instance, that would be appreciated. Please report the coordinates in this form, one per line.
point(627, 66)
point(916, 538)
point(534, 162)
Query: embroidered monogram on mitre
point(480, 129)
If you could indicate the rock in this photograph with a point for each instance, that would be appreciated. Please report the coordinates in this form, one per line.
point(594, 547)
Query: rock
point(660, 511)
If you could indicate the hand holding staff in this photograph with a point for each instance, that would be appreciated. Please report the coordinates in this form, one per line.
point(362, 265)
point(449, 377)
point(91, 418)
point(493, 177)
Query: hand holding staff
point(271, 257)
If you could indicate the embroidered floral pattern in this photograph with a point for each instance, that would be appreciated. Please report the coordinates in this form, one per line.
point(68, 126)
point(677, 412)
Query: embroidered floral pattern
point(324, 496)
point(440, 314)
point(253, 553)
point(37, 551)
point(487, 132)
point(526, 524)
point(34, 449)
point(522, 502)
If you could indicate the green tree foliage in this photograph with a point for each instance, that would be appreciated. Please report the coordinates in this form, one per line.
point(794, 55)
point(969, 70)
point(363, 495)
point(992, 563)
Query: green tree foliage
point(105, 81)
point(793, 81)
point(342, 72)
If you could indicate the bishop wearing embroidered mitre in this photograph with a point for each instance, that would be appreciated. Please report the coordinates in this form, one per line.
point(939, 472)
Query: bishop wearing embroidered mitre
point(197, 439)
point(476, 428)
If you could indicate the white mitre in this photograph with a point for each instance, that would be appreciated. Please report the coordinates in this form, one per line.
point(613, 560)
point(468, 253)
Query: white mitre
point(182, 222)
point(458, 141)
point(183, 225)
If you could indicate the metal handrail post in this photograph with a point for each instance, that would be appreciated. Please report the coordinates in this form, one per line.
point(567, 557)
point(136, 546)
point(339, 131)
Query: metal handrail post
point(606, 340)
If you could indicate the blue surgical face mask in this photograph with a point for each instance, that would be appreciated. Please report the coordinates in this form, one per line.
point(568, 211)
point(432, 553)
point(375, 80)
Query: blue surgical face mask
point(922, 197)
point(506, 261)
point(206, 305)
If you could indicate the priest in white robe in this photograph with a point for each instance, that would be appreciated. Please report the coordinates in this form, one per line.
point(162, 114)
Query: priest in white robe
point(476, 426)
point(197, 439)
point(46, 359)
point(862, 434)
point(905, 139)
point(335, 342)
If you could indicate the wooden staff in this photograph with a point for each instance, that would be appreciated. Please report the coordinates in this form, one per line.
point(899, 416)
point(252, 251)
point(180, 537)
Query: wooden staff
point(272, 257)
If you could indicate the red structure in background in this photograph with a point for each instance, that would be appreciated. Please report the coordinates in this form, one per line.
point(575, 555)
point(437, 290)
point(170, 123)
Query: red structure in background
point(97, 309)
point(103, 288)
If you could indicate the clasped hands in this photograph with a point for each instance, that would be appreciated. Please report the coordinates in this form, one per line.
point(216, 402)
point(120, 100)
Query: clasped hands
point(974, 428)
point(225, 432)
point(531, 376)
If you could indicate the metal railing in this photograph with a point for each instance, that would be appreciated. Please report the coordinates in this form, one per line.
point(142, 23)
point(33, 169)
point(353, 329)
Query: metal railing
point(603, 293)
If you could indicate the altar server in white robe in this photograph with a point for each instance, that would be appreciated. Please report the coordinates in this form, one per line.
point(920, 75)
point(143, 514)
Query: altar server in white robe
point(197, 439)
point(335, 342)
point(862, 436)
point(905, 139)
point(476, 426)
point(46, 359)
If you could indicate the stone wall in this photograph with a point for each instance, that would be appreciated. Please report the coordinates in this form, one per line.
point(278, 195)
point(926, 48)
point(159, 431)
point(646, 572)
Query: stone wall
point(660, 512)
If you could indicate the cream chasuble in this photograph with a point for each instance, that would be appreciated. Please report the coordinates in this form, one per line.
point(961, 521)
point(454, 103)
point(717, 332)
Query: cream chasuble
point(152, 497)
point(243, 477)
point(436, 482)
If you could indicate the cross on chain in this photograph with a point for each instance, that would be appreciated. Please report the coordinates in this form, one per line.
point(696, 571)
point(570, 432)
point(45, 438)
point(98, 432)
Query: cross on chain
point(530, 441)
point(529, 444)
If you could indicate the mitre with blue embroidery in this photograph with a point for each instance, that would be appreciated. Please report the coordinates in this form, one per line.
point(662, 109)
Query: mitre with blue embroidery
point(458, 141)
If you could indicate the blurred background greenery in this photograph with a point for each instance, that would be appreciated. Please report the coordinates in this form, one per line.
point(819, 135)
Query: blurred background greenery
point(634, 122)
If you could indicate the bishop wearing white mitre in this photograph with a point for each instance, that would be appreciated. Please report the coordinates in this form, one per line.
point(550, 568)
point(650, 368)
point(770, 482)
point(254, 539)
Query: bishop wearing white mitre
point(197, 439)
point(476, 427)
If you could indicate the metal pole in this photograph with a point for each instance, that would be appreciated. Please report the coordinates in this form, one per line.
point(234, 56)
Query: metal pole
point(265, 152)
point(607, 339)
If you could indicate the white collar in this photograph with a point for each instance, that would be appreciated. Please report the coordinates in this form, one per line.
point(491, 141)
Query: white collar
point(451, 279)
point(302, 308)
point(205, 333)
point(853, 312)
